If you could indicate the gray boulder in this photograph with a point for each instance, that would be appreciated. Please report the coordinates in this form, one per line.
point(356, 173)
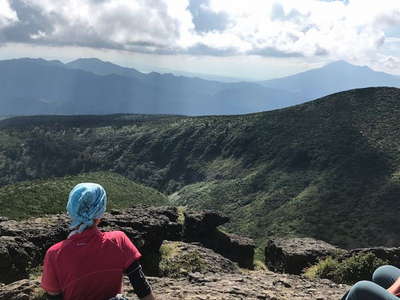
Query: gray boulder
point(179, 259)
point(292, 255)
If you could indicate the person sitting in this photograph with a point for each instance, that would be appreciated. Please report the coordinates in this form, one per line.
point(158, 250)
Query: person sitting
point(90, 264)
point(385, 285)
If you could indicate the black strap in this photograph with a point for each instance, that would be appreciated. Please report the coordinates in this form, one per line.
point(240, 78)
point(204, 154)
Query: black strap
point(137, 279)
point(54, 297)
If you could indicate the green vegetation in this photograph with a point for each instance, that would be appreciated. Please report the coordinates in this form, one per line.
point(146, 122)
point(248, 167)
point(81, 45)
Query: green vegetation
point(259, 265)
point(328, 169)
point(181, 215)
point(349, 271)
point(39, 197)
point(175, 264)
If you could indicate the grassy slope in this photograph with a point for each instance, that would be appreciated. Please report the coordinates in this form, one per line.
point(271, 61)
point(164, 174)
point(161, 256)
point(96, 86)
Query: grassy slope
point(38, 197)
point(327, 169)
point(331, 172)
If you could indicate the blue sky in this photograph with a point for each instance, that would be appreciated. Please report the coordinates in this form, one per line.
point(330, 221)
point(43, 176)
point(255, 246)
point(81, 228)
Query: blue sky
point(251, 39)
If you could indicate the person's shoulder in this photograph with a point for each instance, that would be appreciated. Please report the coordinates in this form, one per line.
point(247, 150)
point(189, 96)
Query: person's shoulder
point(115, 235)
point(56, 247)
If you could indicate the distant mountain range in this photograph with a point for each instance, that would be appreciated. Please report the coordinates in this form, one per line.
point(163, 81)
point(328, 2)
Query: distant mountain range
point(91, 86)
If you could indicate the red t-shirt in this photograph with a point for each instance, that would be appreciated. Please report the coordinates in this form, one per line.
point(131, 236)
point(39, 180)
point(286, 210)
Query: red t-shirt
point(88, 265)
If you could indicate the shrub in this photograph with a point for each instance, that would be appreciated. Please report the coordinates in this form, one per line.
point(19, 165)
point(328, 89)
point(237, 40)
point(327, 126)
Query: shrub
point(355, 268)
point(259, 265)
point(323, 269)
point(176, 264)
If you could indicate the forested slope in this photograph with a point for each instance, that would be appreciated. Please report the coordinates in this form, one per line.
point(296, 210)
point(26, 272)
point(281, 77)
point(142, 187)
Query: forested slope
point(327, 169)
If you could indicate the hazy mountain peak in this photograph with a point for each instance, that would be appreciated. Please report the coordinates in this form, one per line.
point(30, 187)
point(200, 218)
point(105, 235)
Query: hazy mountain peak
point(342, 64)
point(99, 67)
point(339, 63)
point(332, 78)
point(38, 61)
point(28, 59)
point(87, 60)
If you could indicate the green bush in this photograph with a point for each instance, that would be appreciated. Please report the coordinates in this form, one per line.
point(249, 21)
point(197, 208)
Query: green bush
point(176, 264)
point(324, 269)
point(355, 268)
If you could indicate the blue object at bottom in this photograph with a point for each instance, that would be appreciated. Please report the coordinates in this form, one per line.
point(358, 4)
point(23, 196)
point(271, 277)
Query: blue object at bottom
point(382, 279)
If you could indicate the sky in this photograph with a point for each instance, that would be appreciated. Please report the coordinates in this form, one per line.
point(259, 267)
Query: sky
point(247, 39)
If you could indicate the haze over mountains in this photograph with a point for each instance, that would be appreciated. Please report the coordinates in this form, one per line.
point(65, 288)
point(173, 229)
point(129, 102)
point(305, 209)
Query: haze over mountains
point(91, 86)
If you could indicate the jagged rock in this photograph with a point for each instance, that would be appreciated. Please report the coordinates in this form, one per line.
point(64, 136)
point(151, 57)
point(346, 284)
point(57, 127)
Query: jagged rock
point(15, 256)
point(202, 227)
point(198, 225)
point(293, 255)
point(147, 227)
point(179, 258)
point(41, 232)
point(250, 285)
point(237, 248)
point(3, 219)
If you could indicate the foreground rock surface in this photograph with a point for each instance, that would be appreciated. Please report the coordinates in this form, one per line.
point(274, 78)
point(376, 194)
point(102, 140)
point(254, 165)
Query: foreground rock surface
point(292, 255)
point(250, 285)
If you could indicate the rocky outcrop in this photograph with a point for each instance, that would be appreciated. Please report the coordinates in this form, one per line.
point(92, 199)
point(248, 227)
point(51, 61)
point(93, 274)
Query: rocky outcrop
point(190, 270)
point(24, 243)
point(237, 248)
point(250, 285)
point(292, 255)
point(199, 224)
point(202, 227)
point(15, 257)
point(178, 259)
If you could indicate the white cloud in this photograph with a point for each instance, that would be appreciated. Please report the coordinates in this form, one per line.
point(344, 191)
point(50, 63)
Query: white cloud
point(353, 30)
point(121, 24)
point(7, 15)
point(309, 26)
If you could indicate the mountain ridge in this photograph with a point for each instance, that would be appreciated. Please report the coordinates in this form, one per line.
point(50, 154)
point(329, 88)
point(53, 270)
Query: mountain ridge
point(315, 169)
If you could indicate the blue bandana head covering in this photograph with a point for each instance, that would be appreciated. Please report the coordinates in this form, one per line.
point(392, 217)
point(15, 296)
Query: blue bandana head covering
point(86, 201)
